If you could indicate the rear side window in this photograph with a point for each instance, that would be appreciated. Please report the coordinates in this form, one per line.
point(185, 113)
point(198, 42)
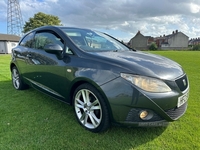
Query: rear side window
point(28, 40)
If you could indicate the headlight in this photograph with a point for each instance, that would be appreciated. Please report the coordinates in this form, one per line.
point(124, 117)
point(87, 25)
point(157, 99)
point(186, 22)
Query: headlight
point(146, 83)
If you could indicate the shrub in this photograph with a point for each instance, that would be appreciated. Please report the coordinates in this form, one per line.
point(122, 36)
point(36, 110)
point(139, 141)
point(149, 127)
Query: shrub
point(153, 46)
point(196, 47)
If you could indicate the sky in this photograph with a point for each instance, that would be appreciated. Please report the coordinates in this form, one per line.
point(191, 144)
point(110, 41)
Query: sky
point(119, 18)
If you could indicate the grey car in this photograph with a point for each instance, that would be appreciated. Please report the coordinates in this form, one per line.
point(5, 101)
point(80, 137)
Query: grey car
point(104, 80)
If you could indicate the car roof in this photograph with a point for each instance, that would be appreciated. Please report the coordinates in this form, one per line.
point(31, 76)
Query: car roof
point(51, 27)
point(58, 27)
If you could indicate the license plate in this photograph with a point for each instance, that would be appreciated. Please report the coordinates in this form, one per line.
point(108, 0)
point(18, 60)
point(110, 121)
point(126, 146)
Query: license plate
point(183, 99)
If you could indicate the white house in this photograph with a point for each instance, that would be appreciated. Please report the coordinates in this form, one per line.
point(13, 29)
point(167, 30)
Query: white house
point(139, 41)
point(176, 40)
point(7, 42)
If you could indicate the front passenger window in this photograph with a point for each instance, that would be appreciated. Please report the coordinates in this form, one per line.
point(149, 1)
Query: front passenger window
point(44, 38)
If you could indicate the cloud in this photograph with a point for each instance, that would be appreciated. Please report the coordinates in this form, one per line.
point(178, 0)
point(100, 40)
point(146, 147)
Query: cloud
point(194, 8)
point(3, 11)
point(151, 17)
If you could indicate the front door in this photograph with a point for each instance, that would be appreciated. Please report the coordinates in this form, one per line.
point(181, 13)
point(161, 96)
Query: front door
point(46, 71)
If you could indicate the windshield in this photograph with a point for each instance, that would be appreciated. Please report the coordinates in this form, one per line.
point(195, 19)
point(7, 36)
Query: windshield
point(89, 40)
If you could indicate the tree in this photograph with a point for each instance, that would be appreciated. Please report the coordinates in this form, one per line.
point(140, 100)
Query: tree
point(40, 19)
point(153, 46)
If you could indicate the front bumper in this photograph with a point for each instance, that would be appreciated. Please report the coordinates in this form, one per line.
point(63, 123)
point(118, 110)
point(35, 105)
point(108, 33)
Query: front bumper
point(127, 101)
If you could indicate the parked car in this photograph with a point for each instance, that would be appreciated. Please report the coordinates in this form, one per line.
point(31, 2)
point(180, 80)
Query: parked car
point(104, 80)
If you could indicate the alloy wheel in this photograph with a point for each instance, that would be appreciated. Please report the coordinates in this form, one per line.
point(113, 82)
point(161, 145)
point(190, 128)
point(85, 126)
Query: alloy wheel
point(15, 78)
point(88, 108)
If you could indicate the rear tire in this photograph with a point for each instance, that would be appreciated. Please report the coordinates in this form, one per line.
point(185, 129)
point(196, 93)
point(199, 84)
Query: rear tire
point(90, 108)
point(17, 80)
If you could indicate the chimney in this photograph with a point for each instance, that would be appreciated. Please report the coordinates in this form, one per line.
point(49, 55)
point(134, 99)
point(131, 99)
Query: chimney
point(173, 32)
point(176, 31)
point(163, 35)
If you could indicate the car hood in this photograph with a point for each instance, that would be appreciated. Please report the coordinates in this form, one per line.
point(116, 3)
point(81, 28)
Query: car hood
point(140, 63)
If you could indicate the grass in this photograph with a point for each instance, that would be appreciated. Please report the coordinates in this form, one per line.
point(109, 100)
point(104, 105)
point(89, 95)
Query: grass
point(31, 120)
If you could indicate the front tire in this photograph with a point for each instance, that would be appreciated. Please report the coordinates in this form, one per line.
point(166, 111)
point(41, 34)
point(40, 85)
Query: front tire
point(90, 108)
point(17, 80)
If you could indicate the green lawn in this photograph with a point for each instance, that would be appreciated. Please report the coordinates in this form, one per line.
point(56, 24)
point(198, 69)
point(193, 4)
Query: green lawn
point(30, 120)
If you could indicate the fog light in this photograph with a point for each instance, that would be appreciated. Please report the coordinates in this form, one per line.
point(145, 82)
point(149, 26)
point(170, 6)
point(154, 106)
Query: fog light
point(143, 114)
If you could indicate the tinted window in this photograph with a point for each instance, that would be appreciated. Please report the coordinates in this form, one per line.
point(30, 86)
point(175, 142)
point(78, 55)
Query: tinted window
point(27, 41)
point(44, 38)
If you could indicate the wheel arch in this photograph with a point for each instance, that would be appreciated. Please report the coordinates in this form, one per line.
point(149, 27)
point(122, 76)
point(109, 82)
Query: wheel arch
point(12, 65)
point(80, 81)
point(17, 79)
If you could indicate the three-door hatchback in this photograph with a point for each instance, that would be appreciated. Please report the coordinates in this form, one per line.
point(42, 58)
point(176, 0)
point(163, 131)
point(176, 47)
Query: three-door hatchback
point(104, 80)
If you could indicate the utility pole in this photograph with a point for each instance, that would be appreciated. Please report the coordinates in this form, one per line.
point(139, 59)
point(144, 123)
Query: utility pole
point(14, 18)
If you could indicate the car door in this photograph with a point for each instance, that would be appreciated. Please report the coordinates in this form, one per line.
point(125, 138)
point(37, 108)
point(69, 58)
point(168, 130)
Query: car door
point(46, 71)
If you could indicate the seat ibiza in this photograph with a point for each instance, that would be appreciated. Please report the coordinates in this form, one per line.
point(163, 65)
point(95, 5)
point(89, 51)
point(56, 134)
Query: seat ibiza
point(104, 80)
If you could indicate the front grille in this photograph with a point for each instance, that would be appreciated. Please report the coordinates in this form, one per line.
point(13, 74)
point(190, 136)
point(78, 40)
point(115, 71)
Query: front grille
point(176, 113)
point(182, 83)
point(133, 116)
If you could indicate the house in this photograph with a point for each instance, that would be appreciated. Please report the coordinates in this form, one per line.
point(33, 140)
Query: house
point(160, 40)
point(194, 41)
point(140, 41)
point(7, 42)
point(176, 40)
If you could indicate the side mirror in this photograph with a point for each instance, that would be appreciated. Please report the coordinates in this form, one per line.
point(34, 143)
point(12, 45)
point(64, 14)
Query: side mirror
point(53, 48)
